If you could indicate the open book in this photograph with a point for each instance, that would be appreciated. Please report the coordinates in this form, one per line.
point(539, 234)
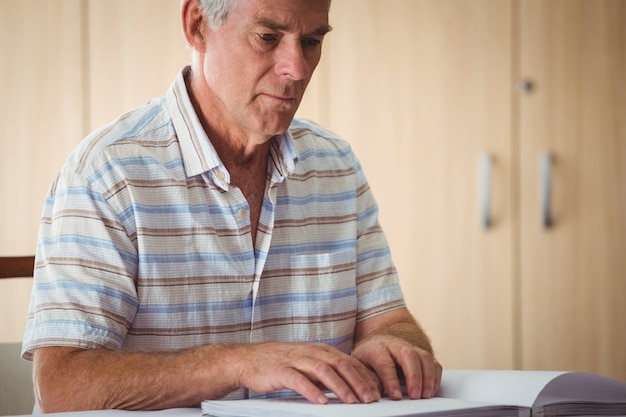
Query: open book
point(462, 393)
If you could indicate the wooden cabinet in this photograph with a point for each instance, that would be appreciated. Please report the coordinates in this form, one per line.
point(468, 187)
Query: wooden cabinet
point(424, 89)
point(136, 50)
point(572, 277)
point(68, 66)
point(41, 101)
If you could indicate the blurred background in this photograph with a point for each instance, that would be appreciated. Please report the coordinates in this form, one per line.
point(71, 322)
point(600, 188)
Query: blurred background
point(493, 133)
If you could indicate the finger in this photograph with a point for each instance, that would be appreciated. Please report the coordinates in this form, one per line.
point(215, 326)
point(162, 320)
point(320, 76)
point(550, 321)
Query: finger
point(422, 373)
point(296, 381)
point(412, 369)
point(364, 382)
point(361, 381)
point(387, 371)
point(323, 373)
point(431, 376)
point(438, 374)
point(428, 376)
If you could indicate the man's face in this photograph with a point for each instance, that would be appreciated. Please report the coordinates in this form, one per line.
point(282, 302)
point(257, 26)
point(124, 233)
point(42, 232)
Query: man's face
point(259, 63)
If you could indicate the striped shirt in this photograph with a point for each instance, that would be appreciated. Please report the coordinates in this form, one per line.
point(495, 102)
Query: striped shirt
point(144, 245)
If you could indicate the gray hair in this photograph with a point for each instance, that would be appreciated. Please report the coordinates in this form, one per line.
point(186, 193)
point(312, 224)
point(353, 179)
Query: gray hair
point(216, 11)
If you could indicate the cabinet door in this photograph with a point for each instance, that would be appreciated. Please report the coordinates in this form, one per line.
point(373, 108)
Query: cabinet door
point(41, 116)
point(573, 273)
point(136, 50)
point(422, 88)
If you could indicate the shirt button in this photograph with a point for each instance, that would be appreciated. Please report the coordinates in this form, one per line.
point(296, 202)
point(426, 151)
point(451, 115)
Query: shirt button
point(241, 213)
point(220, 175)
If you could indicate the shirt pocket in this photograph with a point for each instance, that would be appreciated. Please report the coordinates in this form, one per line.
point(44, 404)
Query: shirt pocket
point(324, 298)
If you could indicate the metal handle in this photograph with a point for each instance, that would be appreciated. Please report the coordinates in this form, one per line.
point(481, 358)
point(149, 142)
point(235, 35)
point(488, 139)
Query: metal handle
point(485, 190)
point(546, 189)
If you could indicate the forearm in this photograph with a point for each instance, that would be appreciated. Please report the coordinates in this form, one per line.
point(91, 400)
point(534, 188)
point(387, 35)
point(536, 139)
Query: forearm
point(400, 324)
point(68, 379)
point(410, 332)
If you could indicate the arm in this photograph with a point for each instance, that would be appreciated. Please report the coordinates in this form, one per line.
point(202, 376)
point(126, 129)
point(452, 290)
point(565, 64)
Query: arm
point(71, 379)
point(68, 379)
point(394, 341)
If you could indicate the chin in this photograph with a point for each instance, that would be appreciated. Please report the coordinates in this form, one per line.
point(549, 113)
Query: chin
point(277, 126)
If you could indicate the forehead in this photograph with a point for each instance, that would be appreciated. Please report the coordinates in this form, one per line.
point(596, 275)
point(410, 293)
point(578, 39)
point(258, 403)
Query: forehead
point(304, 15)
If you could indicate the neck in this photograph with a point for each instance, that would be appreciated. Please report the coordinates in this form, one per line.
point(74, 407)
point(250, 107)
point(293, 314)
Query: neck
point(235, 146)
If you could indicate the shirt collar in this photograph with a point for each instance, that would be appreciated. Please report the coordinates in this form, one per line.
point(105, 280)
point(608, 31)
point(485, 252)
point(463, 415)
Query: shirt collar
point(283, 157)
point(199, 155)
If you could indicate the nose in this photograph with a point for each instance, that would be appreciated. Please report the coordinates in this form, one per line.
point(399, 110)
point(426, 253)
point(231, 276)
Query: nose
point(292, 62)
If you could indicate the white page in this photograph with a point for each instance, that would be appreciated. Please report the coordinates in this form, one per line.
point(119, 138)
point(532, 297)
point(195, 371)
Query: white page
point(460, 390)
point(173, 412)
point(289, 407)
point(519, 388)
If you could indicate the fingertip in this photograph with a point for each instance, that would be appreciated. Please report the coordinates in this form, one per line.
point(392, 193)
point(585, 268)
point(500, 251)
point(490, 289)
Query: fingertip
point(395, 394)
point(350, 398)
point(416, 393)
point(322, 399)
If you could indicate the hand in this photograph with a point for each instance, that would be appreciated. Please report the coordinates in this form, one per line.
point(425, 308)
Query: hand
point(307, 369)
point(387, 355)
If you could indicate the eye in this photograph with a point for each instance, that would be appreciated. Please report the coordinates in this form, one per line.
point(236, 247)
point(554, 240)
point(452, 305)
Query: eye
point(310, 42)
point(267, 37)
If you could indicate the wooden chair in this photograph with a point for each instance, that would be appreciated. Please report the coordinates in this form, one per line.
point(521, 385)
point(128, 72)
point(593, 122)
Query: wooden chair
point(16, 266)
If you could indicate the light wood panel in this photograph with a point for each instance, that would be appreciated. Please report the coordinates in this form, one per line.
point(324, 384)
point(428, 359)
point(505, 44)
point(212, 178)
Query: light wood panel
point(573, 275)
point(40, 111)
point(421, 89)
point(68, 66)
point(40, 115)
point(136, 49)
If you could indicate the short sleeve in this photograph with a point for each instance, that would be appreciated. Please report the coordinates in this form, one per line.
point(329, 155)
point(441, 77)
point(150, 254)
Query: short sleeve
point(84, 292)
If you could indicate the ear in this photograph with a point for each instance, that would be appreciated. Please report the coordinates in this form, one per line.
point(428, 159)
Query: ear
point(194, 24)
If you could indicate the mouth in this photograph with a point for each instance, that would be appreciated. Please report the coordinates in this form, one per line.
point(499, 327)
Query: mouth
point(282, 98)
